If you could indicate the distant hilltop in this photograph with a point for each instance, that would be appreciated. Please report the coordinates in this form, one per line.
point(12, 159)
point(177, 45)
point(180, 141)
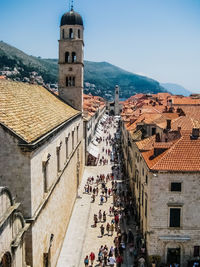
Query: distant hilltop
point(100, 78)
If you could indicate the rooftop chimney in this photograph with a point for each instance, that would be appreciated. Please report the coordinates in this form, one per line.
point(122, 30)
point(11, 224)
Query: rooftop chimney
point(195, 133)
point(157, 137)
point(168, 124)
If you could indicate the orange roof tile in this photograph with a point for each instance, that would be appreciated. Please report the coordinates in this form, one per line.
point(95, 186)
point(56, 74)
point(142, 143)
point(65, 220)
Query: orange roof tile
point(183, 155)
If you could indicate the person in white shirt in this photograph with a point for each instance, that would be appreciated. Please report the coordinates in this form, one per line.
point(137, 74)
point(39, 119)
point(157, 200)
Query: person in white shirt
point(112, 261)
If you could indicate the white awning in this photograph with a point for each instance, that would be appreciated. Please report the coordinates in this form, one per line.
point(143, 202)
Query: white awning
point(93, 150)
point(100, 129)
point(98, 135)
point(105, 116)
point(95, 142)
point(99, 132)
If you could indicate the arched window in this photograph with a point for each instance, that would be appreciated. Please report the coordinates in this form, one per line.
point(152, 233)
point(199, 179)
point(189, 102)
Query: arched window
point(70, 81)
point(63, 34)
point(66, 57)
point(73, 57)
point(6, 260)
point(71, 34)
point(73, 81)
point(79, 34)
point(67, 81)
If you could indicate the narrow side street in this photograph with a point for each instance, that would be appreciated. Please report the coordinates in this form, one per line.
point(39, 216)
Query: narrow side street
point(82, 237)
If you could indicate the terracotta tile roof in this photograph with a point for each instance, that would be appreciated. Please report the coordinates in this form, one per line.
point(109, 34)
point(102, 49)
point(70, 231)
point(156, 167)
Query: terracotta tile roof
point(185, 101)
point(31, 111)
point(192, 111)
point(186, 123)
point(146, 144)
point(183, 155)
point(136, 135)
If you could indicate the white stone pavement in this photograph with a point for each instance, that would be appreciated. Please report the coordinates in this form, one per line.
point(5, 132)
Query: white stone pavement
point(80, 237)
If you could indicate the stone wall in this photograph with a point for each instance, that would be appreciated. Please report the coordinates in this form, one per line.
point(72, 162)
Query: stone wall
point(12, 229)
point(52, 210)
point(159, 235)
point(15, 170)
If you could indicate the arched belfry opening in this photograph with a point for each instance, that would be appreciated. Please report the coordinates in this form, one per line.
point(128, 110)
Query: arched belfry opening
point(67, 57)
point(73, 57)
point(71, 33)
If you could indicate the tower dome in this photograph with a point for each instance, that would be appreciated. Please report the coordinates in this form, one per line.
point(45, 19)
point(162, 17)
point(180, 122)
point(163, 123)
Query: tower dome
point(71, 18)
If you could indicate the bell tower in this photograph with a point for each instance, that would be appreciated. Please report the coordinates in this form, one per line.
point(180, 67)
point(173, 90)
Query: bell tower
point(71, 65)
point(116, 100)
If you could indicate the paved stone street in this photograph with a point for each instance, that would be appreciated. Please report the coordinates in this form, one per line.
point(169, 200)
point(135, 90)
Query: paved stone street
point(81, 237)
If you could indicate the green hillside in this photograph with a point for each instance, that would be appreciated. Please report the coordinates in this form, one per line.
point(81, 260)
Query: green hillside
point(100, 77)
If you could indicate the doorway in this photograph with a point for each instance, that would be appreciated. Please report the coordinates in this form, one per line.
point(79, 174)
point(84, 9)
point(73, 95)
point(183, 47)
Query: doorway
point(6, 260)
point(173, 255)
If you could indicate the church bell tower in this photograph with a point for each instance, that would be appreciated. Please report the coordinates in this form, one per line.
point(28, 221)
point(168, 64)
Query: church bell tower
point(71, 65)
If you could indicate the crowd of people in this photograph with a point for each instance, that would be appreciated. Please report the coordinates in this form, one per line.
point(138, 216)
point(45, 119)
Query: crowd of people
point(113, 222)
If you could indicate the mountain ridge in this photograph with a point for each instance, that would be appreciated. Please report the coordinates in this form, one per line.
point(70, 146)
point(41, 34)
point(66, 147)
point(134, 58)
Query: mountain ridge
point(100, 77)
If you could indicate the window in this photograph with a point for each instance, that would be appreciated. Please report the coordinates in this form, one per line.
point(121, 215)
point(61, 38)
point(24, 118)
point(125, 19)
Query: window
point(73, 140)
point(143, 171)
point(77, 137)
point(58, 158)
point(70, 81)
point(67, 57)
point(63, 34)
point(67, 81)
point(45, 172)
point(153, 131)
point(175, 217)
point(73, 81)
point(176, 187)
point(146, 207)
point(66, 147)
point(142, 196)
point(79, 34)
point(71, 34)
point(196, 251)
point(46, 260)
point(73, 57)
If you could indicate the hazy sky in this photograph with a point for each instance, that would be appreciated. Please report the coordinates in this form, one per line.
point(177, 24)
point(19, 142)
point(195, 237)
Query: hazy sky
point(156, 38)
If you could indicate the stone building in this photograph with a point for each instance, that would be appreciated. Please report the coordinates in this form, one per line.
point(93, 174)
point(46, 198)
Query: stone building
point(115, 107)
point(41, 153)
point(167, 182)
point(93, 112)
point(12, 229)
point(161, 154)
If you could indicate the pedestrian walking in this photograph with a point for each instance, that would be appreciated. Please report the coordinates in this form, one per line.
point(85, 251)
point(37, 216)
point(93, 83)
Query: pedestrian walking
point(95, 220)
point(119, 261)
point(100, 215)
point(92, 258)
point(101, 200)
point(110, 210)
point(100, 255)
point(112, 261)
point(104, 216)
point(86, 261)
point(108, 228)
point(102, 230)
point(112, 229)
